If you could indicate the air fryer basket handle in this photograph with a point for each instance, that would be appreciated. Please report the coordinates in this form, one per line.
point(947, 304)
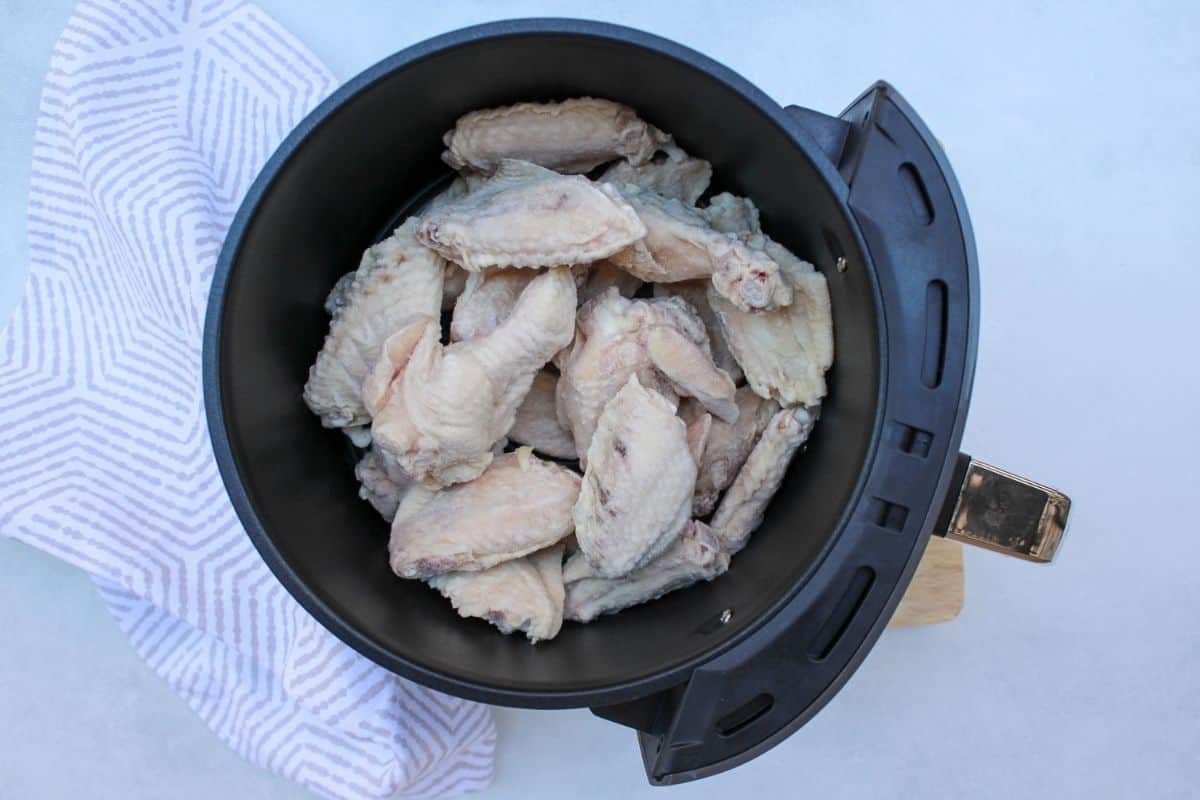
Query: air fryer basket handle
point(915, 230)
point(992, 508)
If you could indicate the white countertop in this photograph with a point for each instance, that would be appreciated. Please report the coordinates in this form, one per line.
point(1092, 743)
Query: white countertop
point(1075, 132)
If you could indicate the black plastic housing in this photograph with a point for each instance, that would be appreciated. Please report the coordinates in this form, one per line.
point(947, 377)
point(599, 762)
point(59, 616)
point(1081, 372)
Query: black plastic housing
point(714, 674)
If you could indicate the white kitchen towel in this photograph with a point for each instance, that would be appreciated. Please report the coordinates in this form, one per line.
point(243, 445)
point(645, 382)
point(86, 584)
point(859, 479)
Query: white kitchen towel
point(154, 120)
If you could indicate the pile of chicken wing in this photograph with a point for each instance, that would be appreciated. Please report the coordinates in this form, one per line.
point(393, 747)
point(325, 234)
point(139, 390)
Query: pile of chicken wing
point(551, 452)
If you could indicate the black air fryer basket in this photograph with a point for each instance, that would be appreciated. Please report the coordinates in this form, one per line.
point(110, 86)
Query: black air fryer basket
point(713, 675)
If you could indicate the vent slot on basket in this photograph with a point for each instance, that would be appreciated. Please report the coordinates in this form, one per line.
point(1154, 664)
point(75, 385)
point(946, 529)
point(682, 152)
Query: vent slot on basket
point(918, 195)
point(915, 441)
point(843, 614)
point(887, 515)
point(933, 358)
point(744, 715)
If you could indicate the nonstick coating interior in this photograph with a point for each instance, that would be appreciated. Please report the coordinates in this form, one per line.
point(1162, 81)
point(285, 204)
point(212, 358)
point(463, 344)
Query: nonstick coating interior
point(356, 170)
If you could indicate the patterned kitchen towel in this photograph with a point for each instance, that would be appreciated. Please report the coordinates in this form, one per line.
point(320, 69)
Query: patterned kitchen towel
point(154, 119)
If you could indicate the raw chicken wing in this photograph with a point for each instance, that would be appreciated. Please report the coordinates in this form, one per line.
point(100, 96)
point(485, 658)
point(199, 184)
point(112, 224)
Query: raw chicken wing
point(377, 487)
point(695, 293)
point(486, 300)
point(729, 213)
point(455, 278)
point(680, 245)
point(784, 353)
point(728, 447)
point(676, 175)
point(438, 409)
point(662, 341)
point(521, 504)
point(397, 280)
point(699, 425)
point(572, 136)
point(537, 422)
point(741, 509)
point(696, 555)
point(527, 216)
point(598, 277)
point(637, 488)
point(525, 594)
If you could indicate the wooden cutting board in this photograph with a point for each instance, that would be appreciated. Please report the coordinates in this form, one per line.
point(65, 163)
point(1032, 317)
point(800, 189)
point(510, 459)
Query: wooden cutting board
point(936, 591)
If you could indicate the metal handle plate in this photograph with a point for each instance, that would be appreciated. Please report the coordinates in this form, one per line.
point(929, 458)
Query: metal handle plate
point(1000, 511)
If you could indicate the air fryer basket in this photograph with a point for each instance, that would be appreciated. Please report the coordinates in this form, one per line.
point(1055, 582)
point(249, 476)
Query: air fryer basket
point(714, 674)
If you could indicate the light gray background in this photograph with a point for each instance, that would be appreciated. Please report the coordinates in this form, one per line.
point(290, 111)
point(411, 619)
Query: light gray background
point(1074, 132)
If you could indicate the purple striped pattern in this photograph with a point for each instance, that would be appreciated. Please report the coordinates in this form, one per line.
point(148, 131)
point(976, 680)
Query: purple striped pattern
point(154, 119)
